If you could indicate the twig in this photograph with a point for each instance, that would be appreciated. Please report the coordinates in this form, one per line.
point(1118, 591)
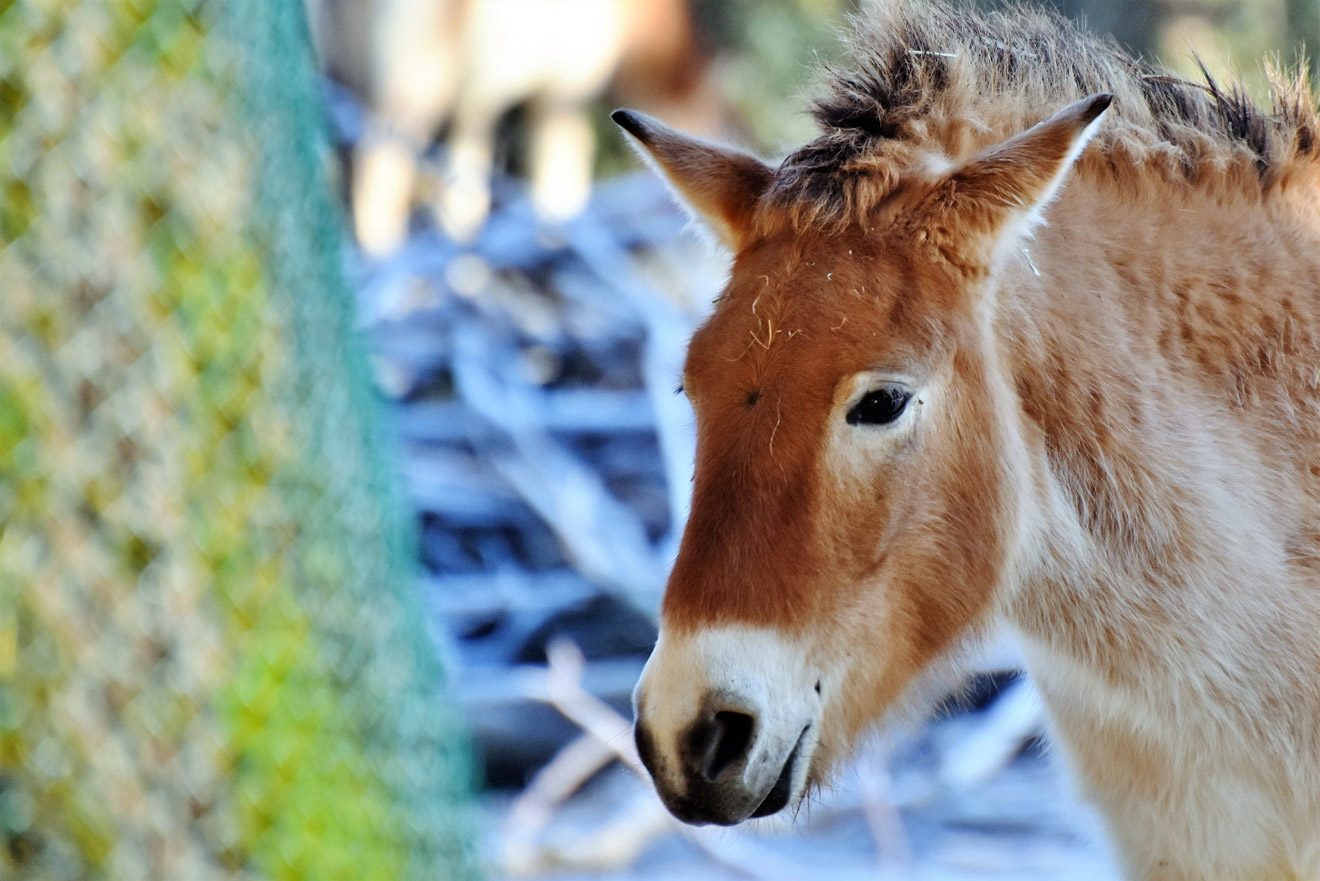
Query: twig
point(563, 685)
point(534, 807)
point(882, 816)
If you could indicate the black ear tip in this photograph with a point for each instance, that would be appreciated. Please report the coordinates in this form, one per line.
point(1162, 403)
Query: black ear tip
point(1097, 105)
point(632, 123)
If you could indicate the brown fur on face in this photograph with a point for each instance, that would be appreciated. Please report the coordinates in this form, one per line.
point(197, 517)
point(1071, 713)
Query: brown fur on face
point(777, 537)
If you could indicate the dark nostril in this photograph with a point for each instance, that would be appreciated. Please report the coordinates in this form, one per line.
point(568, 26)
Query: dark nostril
point(720, 742)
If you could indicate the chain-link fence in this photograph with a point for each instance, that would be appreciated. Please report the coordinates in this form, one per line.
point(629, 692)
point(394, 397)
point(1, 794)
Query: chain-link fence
point(210, 661)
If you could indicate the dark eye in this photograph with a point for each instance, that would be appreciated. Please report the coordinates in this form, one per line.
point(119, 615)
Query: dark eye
point(879, 407)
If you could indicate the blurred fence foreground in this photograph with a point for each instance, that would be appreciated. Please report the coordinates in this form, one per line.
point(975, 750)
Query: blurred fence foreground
point(210, 663)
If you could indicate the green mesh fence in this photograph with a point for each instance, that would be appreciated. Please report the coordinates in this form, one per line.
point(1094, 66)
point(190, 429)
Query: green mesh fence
point(210, 661)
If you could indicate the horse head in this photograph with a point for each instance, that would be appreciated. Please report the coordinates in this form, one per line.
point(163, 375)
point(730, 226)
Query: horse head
point(862, 493)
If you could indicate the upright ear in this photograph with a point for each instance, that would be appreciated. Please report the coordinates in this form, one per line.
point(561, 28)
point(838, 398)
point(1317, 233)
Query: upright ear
point(998, 197)
point(720, 185)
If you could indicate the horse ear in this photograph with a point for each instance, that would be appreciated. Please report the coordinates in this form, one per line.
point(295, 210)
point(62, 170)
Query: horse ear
point(998, 197)
point(721, 186)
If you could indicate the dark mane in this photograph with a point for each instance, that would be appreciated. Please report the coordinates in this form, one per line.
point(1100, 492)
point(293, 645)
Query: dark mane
point(927, 79)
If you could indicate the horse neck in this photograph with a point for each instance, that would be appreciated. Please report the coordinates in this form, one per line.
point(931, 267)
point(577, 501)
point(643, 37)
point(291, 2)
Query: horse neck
point(1162, 346)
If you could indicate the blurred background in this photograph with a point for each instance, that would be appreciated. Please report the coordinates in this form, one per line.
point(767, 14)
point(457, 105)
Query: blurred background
point(341, 464)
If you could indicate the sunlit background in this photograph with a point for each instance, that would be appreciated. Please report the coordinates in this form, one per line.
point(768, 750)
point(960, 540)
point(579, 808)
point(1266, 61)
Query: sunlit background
point(341, 464)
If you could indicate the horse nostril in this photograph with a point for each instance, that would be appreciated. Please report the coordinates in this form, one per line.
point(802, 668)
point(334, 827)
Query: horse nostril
point(720, 742)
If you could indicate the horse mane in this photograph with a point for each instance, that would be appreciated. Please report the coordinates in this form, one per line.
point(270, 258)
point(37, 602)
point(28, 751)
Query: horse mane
point(936, 84)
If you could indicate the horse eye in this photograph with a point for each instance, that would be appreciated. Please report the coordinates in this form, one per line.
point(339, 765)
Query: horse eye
point(879, 407)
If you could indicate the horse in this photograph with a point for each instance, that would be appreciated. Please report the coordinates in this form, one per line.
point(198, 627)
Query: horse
point(462, 65)
point(1027, 337)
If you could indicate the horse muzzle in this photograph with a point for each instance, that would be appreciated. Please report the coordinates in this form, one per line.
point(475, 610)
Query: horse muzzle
point(727, 722)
